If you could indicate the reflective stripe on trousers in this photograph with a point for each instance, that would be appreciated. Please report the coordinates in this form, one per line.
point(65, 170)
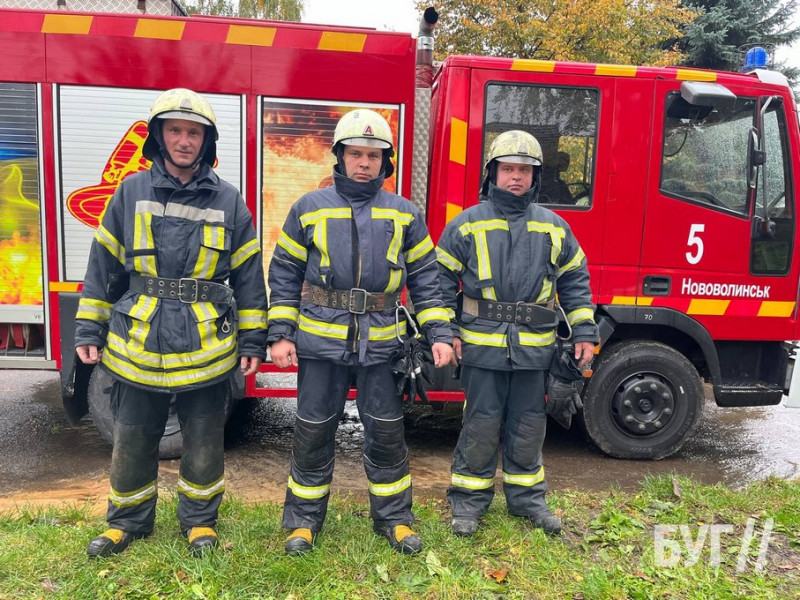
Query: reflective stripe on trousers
point(322, 390)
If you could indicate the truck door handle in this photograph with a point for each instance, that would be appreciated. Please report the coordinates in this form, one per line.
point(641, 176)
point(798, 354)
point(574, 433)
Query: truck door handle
point(656, 285)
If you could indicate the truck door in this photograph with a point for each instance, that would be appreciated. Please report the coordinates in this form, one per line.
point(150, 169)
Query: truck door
point(720, 221)
point(571, 117)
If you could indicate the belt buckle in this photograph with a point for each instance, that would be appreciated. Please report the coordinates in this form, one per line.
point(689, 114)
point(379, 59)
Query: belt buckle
point(182, 285)
point(357, 302)
point(518, 318)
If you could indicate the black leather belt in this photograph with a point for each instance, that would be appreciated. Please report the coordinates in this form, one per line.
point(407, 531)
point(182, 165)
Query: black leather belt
point(355, 300)
point(538, 315)
point(185, 289)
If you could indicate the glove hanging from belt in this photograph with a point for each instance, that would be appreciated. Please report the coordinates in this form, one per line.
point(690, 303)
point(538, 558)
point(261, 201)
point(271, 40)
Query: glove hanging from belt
point(412, 364)
point(564, 385)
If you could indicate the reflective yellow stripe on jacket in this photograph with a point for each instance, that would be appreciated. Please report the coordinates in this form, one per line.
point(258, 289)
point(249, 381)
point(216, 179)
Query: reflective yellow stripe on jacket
point(318, 219)
point(400, 220)
point(478, 231)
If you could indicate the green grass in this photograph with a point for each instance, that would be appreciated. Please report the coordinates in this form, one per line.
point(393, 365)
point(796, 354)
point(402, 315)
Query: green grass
point(606, 552)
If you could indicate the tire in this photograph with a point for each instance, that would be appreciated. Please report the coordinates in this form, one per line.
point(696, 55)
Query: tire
point(99, 396)
point(643, 401)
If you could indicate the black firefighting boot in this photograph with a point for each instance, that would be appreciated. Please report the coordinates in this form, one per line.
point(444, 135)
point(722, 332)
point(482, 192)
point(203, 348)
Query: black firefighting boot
point(546, 521)
point(201, 540)
point(300, 541)
point(111, 541)
point(464, 526)
point(401, 537)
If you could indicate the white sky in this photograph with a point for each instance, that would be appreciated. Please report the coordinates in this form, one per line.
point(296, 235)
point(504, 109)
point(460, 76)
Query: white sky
point(400, 15)
point(386, 15)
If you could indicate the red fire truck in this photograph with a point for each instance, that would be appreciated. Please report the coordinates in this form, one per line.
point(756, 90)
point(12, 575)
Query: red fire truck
point(679, 184)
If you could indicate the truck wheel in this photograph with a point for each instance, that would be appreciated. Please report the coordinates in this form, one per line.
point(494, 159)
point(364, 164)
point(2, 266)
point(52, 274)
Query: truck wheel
point(643, 400)
point(99, 395)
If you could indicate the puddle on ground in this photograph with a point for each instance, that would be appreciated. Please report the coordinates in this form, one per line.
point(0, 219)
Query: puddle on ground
point(47, 461)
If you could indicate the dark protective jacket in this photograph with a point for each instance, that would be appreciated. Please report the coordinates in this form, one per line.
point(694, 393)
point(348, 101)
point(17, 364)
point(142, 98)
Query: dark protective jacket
point(156, 226)
point(510, 249)
point(353, 235)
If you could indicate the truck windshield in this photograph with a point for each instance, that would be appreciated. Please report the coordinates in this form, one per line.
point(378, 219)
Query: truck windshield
point(704, 156)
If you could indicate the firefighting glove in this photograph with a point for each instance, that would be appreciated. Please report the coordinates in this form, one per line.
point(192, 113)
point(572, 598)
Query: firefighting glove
point(563, 389)
point(411, 366)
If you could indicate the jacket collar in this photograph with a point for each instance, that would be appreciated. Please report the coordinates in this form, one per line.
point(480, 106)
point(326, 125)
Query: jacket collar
point(204, 178)
point(510, 204)
point(356, 191)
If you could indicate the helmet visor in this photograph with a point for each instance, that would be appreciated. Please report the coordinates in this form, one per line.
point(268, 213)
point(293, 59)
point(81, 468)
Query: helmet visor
point(368, 142)
point(179, 114)
point(521, 160)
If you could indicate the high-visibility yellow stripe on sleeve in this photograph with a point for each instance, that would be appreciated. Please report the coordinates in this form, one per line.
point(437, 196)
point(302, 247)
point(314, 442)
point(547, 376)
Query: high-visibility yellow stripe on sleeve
point(252, 318)
point(575, 263)
point(438, 313)
point(449, 261)
point(308, 492)
point(419, 250)
point(246, 251)
point(390, 489)
point(471, 483)
point(292, 247)
point(283, 312)
point(110, 243)
point(92, 309)
point(580, 314)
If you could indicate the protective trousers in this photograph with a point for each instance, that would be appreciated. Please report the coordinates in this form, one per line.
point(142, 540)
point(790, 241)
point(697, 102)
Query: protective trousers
point(140, 417)
point(322, 390)
point(511, 401)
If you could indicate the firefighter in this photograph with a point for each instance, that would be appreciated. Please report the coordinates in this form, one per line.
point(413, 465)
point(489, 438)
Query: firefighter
point(341, 261)
point(511, 257)
point(192, 310)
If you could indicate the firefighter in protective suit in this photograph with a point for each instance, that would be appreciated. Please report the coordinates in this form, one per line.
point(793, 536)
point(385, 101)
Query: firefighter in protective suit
point(342, 259)
point(511, 257)
point(192, 309)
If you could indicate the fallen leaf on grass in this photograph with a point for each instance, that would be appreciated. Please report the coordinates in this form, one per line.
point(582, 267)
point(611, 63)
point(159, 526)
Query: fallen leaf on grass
point(383, 573)
point(181, 576)
point(577, 596)
point(499, 575)
point(360, 577)
point(228, 546)
point(577, 577)
point(104, 573)
point(642, 576)
point(435, 565)
point(48, 586)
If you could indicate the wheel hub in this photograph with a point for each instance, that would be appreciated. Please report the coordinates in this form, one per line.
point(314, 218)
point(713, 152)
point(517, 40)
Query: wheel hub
point(643, 404)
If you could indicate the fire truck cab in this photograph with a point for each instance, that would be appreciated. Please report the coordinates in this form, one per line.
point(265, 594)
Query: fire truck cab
point(680, 185)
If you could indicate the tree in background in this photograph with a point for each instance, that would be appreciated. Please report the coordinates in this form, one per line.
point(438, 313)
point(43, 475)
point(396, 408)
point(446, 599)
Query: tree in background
point(603, 31)
point(275, 10)
point(713, 39)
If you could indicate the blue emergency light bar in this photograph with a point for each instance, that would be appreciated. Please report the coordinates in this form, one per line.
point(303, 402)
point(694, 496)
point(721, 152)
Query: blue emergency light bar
point(756, 58)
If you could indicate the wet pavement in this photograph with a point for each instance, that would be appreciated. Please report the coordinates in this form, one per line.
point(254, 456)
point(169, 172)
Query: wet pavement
point(45, 459)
